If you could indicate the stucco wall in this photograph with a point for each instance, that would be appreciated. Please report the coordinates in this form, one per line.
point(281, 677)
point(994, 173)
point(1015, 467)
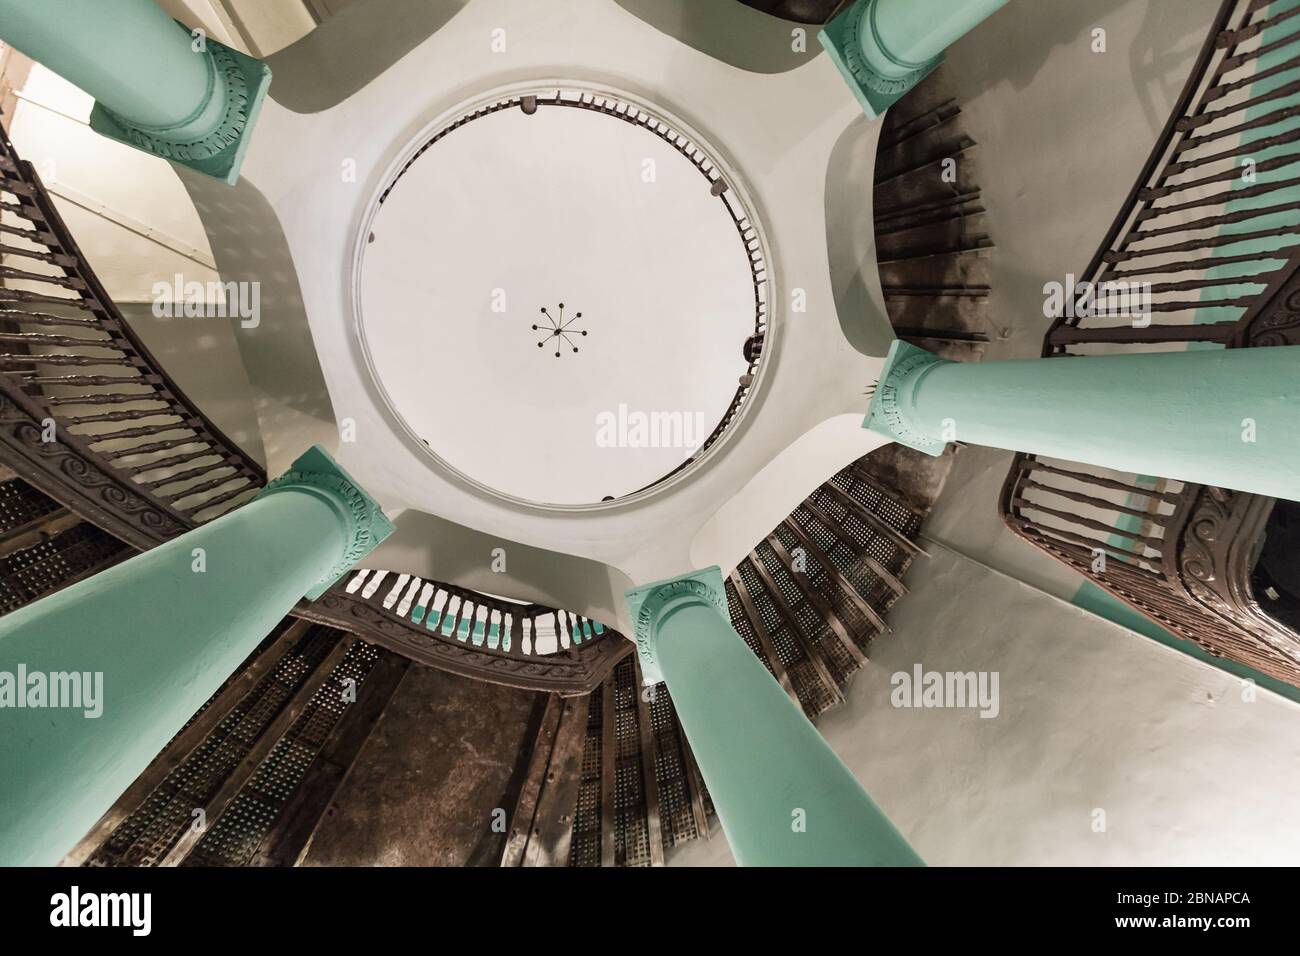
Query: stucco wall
point(136, 226)
point(1091, 717)
point(1063, 131)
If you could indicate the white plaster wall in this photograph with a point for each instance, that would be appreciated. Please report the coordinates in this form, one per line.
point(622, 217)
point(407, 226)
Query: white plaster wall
point(1091, 716)
point(256, 27)
point(137, 226)
point(1063, 132)
point(272, 26)
point(322, 216)
point(208, 15)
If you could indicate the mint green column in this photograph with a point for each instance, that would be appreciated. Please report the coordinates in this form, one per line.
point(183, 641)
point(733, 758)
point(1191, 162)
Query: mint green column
point(1224, 417)
point(153, 89)
point(162, 631)
point(885, 47)
point(783, 796)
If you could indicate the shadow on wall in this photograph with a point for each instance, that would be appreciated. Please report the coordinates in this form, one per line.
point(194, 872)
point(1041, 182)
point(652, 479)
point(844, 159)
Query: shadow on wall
point(1156, 72)
point(1053, 24)
point(732, 33)
point(350, 49)
point(288, 389)
point(441, 550)
point(851, 239)
point(776, 491)
point(202, 355)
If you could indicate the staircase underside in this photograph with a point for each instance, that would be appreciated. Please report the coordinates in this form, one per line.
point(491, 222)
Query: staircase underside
point(443, 762)
point(328, 749)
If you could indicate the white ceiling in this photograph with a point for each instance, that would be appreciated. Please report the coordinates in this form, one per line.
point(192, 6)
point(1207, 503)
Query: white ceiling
point(512, 213)
point(811, 372)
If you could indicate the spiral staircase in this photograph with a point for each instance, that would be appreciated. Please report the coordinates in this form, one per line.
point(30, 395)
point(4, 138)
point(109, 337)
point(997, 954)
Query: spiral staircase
point(551, 749)
point(596, 769)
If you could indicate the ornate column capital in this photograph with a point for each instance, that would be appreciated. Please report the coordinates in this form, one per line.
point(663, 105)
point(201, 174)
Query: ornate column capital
point(890, 410)
point(877, 77)
point(214, 138)
point(650, 603)
point(317, 473)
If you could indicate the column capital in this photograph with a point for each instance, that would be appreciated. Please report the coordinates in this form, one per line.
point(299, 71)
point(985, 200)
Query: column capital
point(365, 524)
point(650, 603)
point(877, 77)
point(214, 138)
point(889, 413)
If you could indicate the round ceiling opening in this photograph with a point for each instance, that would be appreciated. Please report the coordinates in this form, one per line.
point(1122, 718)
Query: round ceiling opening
point(563, 295)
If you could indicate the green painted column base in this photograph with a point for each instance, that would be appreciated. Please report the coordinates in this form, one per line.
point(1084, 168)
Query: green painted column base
point(878, 81)
point(315, 471)
point(217, 152)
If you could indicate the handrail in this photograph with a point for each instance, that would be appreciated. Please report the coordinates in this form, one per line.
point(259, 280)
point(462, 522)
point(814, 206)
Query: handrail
point(130, 453)
point(1183, 554)
point(526, 646)
point(1168, 206)
point(126, 448)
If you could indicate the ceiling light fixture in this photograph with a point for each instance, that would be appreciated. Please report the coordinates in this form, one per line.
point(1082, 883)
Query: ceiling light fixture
point(559, 330)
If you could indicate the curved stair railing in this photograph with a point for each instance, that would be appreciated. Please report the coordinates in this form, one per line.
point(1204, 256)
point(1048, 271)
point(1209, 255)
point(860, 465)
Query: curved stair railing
point(89, 419)
point(527, 646)
point(612, 781)
point(1212, 224)
point(87, 414)
point(606, 776)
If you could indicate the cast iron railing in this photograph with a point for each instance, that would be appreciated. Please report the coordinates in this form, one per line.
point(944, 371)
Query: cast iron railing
point(605, 775)
point(90, 419)
point(87, 414)
point(1212, 225)
point(456, 629)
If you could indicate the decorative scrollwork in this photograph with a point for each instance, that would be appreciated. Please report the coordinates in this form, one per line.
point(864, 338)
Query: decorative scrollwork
point(68, 471)
point(648, 603)
point(1276, 329)
point(1275, 322)
point(861, 28)
point(366, 525)
point(576, 671)
point(1197, 557)
point(225, 72)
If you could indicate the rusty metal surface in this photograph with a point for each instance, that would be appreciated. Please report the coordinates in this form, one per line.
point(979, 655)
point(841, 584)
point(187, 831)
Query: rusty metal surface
point(446, 755)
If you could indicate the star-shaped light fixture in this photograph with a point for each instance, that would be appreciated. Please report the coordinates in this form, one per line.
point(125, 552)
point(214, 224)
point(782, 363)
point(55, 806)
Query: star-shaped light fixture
point(809, 142)
point(559, 330)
